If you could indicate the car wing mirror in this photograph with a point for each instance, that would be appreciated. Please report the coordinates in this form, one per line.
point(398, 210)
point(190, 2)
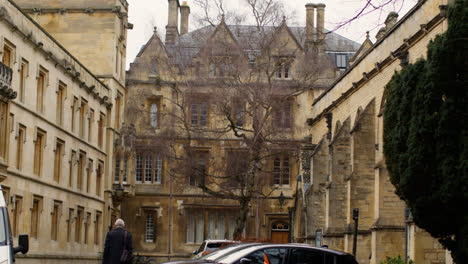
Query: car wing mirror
point(23, 244)
point(245, 261)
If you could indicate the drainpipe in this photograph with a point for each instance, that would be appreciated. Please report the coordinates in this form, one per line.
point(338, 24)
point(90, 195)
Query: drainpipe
point(356, 220)
point(407, 212)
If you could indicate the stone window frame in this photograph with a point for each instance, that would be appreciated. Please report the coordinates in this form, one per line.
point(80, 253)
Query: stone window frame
point(36, 211)
point(56, 214)
point(59, 153)
point(97, 227)
point(20, 136)
point(40, 143)
point(8, 45)
point(23, 70)
point(42, 84)
point(199, 117)
point(278, 171)
point(61, 92)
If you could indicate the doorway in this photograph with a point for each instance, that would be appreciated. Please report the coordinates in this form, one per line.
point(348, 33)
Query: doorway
point(280, 233)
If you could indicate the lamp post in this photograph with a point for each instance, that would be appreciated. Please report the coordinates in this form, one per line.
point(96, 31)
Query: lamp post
point(356, 220)
point(119, 191)
point(281, 200)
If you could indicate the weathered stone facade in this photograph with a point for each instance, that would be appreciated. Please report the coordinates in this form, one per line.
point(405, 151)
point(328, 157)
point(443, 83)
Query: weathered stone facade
point(68, 78)
point(348, 167)
point(189, 66)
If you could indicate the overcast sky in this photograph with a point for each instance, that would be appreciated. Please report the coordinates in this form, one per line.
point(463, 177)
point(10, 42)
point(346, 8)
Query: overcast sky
point(145, 14)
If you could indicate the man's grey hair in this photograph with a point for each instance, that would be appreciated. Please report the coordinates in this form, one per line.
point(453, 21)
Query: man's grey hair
point(119, 223)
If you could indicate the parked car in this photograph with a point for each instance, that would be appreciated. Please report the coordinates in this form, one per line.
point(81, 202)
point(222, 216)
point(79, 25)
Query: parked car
point(256, 253)
point(210, 257)
point(286, 254)
point(209, 245)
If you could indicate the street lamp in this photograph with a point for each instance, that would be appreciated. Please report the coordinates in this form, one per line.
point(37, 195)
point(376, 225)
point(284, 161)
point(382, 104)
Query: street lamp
point(281, 199)
point(119, 191)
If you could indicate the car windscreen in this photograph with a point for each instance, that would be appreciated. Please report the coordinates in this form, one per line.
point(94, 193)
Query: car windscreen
point(223, 251)
point(229, 258)
point(257, 255)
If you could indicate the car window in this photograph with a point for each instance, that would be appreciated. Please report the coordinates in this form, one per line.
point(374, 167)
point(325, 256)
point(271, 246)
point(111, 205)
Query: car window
point(202, 247)
point(267, 256)
point(304, 256)
point(347, 259)
point(331, 259)
point(213, 246)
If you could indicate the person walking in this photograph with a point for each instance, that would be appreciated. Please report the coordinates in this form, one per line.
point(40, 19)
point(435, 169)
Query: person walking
point(116, 243)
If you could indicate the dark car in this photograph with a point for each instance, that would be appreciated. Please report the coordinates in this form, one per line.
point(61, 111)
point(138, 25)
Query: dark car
point(276, 254)
point(286, 254)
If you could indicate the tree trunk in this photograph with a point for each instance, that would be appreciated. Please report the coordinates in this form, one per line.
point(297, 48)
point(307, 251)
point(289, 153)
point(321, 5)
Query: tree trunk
point(241, 219)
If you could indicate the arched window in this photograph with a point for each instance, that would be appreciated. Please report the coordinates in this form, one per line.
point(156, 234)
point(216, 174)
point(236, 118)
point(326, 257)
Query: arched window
point(117, 169)
point(280, 227)
point(149, 234)
point(154, 115)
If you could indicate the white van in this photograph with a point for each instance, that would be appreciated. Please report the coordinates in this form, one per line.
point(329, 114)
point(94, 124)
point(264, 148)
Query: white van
point(7, 251)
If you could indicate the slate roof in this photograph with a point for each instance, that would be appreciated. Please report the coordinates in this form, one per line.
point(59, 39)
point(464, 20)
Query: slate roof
point(188, 45)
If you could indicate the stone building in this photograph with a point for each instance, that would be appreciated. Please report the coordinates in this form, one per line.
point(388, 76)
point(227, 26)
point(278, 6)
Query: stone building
point(345, 167)
point(177, 90)
point(62, 101)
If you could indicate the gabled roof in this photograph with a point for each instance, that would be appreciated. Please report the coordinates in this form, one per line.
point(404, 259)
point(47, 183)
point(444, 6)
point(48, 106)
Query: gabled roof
point(154, 39)
point(188, 45)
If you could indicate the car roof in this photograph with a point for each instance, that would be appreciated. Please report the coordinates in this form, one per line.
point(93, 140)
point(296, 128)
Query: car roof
point(248, 250)
point(218, 240)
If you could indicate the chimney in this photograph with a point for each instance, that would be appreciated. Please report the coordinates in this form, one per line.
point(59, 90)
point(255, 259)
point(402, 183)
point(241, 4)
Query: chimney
point(184, 18)
point(310, 25)
point(321, 27)
point(172, 22)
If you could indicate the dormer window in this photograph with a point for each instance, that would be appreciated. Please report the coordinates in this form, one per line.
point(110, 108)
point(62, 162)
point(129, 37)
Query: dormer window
point(283, 69)
point(220, 67)
point(341, 61)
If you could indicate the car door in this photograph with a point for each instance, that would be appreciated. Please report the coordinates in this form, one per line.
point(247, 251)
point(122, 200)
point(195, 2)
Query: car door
point(306, 256)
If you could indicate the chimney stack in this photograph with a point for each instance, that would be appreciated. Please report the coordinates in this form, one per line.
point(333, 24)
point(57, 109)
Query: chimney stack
point(172, 31)
point(310, 26)
point(184, 18)
point(321, 27)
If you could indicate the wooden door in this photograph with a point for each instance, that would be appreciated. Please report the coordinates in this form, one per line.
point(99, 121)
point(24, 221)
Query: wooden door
point(279, 237)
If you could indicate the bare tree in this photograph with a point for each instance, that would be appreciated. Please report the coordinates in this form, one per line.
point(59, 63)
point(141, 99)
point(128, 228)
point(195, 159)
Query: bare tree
point(240, 88)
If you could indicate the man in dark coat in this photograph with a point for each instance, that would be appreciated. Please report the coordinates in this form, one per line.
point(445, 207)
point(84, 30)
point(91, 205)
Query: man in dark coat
point(114, 244)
